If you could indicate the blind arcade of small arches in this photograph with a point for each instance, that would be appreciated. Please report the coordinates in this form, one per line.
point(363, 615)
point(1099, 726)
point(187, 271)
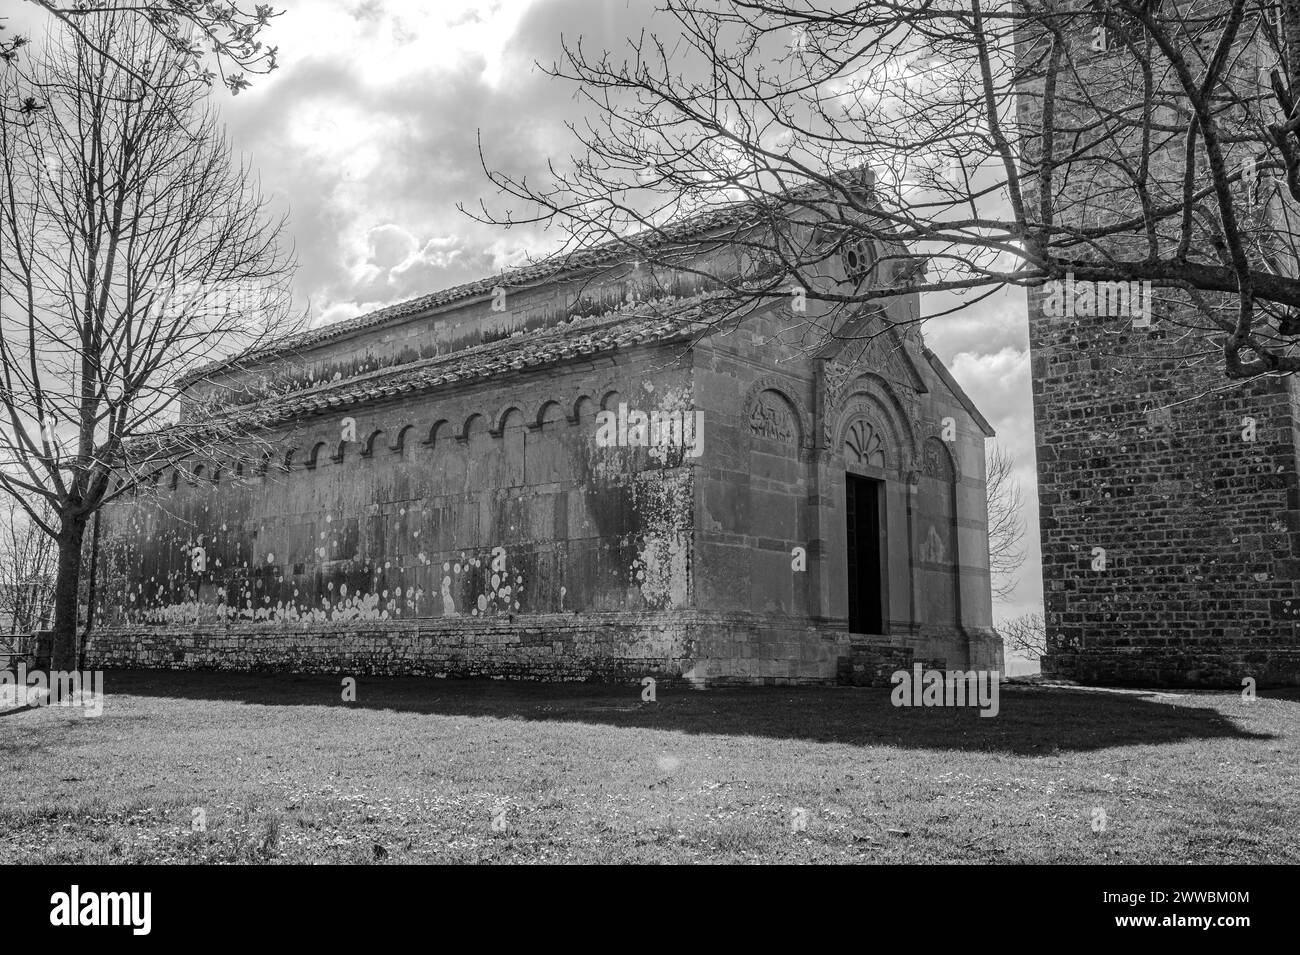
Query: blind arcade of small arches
point(309, 457)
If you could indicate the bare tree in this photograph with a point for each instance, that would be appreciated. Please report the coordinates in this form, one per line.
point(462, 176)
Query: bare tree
point(1006, 521)
point(1026, 635)
point(213, 40)
point(134, 248)
point(26, 570)
point(1010, 142)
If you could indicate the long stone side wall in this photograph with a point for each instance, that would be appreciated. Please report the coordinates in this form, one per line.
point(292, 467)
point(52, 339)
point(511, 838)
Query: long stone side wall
point(697, 648)
point(484, 502)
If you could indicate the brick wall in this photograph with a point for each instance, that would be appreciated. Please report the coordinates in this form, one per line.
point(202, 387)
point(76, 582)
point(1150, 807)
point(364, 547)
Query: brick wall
point(1143, 456)
point(1170, 544)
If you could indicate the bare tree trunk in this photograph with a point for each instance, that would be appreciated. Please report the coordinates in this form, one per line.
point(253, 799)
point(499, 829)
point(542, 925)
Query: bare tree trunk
point(92, 577)
point(129, 261)
point(1289, 41)
point(72, 530)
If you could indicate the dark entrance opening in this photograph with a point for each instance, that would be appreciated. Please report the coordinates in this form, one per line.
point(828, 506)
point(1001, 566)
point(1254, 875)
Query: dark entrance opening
point(865, 598)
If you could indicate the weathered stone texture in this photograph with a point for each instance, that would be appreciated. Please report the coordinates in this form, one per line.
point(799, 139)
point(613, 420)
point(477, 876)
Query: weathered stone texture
point(1143, 456)
point(1142, 452)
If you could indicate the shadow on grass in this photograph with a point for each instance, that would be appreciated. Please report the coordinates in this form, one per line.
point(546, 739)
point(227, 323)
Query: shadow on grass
point(1032, 720)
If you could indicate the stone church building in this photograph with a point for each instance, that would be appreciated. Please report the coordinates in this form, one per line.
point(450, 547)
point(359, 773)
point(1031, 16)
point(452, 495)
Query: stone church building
point(587, 468)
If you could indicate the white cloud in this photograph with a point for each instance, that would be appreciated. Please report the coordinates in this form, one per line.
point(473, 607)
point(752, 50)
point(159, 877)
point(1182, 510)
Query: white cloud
point(999, 384)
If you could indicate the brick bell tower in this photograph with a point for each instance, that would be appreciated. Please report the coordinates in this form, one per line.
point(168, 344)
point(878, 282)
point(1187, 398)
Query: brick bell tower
point(1168, 494)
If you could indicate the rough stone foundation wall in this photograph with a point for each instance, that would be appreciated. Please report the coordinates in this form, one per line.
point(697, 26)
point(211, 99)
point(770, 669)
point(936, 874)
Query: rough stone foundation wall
point(1211, 666)
point(701, 649)
point(872, 665)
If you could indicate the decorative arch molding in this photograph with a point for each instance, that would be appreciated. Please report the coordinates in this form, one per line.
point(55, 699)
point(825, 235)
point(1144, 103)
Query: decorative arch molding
point(474, 424)
point(550, 412)
point(760, 424)
point(583, 405)
point(502, 423)
point(873, 394)
point(938, 462)
point(403, 438)
point(439, 433)
point(865, 445)
point(868, 436)
point(498, 423)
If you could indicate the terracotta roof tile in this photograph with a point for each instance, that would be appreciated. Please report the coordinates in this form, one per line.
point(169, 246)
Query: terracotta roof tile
point(660, 321)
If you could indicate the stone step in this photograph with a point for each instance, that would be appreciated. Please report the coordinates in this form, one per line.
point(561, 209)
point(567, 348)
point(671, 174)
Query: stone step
point(873, 664)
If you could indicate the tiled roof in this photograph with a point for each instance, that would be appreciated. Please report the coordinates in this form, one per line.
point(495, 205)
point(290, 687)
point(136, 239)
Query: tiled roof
point(605, 253)
point(663, 320)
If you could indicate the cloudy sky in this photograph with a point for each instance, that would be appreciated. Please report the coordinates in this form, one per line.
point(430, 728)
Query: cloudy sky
point(368, 136)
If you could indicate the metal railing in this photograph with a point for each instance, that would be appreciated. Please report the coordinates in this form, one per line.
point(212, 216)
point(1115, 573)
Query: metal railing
point(16, 648)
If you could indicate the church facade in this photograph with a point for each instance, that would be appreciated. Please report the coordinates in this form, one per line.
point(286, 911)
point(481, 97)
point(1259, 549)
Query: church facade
point(588, 468)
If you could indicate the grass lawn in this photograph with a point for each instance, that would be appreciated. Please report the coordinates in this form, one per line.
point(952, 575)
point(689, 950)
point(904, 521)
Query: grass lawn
point(484, 771)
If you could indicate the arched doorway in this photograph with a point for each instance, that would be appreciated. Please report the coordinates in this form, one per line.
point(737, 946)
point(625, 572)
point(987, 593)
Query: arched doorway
point(864, 508)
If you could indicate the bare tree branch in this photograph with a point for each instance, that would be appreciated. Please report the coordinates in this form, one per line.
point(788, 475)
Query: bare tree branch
point(1026, 635)
point(135, 247)
point(998, 152)
point(1006, 521)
